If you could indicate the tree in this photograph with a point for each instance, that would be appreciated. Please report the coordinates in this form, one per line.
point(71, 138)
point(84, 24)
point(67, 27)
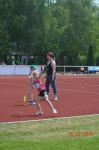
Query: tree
point(66, 27)
point(57, 21)
point(4, 44)
point(90, 57)
point(4, 36)
point(79, 33)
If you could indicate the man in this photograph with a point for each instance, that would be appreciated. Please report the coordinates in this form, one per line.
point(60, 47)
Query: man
point(51, 74)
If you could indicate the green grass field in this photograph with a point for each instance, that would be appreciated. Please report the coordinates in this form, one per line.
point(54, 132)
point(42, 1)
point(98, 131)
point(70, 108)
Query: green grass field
point(78, 133)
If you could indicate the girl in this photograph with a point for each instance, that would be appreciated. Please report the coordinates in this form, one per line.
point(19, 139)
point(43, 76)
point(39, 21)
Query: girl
point(37, 84)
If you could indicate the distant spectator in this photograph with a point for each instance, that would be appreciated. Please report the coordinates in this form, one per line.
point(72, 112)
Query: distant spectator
point(2, 63)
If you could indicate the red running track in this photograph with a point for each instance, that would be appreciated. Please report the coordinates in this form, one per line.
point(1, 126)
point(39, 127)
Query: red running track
point(78, 95)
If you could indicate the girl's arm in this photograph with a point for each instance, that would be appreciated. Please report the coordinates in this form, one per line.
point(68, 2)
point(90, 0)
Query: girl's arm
point(43, 70)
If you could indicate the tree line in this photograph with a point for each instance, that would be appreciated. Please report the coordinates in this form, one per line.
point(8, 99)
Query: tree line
point(69, 28)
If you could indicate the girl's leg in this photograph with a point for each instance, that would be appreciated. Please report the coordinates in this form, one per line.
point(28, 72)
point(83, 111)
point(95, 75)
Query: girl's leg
point(50, 104)
point(39, 110)
point(31, 101)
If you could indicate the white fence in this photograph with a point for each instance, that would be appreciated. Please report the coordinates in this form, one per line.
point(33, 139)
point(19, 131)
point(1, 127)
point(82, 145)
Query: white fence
point(77, 69)
point(14, 70)
point(72, 69)
point(25, 69)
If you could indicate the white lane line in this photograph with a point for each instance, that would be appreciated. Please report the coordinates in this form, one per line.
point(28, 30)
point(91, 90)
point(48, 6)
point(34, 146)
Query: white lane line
point(78, 91)
point(40, 120)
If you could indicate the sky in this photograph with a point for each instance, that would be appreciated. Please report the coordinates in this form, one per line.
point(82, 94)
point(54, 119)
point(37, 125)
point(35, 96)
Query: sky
point(97, 1)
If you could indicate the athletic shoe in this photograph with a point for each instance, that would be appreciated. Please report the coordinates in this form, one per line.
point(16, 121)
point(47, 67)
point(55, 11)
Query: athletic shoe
point(55, 98)
point(54, 111)
point(39, 113)
point(32, 102)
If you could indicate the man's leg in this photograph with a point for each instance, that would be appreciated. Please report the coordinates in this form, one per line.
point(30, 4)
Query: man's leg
point(53, 84)
point(47, 84)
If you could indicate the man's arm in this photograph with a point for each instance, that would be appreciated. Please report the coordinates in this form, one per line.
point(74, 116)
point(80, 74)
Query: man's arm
point(53, 64)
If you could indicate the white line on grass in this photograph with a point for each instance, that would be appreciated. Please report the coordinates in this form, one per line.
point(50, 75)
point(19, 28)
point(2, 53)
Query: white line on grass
point(40, 120)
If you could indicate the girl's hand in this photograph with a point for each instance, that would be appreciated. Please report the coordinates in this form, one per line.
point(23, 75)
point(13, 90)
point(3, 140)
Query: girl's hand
point(29, 77)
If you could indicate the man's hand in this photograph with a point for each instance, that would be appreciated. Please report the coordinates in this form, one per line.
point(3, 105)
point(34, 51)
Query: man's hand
point(53, 78)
